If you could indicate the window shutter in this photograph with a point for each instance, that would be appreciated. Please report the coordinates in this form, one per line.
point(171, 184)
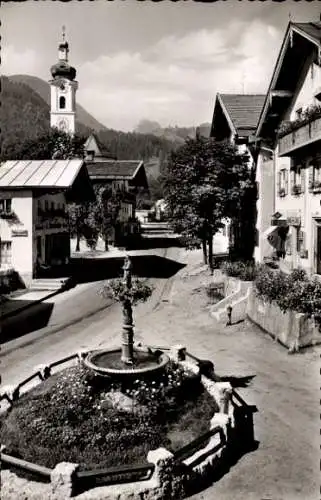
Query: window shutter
point(278, 182)
point(292, 178)
point(286, 181)
point(288, 244)
point(302, 180)
point(311, 173)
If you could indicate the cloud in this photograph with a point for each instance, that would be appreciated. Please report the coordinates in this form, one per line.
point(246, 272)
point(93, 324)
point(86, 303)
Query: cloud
point(175, 80)
point(13, 61)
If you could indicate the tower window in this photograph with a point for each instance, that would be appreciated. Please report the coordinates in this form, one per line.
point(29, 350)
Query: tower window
point(62, 102)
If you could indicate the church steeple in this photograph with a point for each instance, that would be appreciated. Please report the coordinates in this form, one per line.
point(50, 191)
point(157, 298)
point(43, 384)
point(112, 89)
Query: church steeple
point(63, 48)
point(63, 90)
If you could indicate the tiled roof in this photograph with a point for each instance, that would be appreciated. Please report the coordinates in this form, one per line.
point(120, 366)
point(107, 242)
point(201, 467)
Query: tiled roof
point(244, 110)
point(311, 29)
point(39, 173)
point(111, 169)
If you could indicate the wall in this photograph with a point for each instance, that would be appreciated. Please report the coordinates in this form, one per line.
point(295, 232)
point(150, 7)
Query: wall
point(265, 204)
point(21, 246)
point(221, 239)
point(292, 329)
point(68, 113)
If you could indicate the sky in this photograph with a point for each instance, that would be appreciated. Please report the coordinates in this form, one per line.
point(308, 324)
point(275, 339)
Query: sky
point(162, 61)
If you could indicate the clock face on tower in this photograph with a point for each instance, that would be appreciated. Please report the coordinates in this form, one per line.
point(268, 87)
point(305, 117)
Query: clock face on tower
point(63, 125)
point(62, 87)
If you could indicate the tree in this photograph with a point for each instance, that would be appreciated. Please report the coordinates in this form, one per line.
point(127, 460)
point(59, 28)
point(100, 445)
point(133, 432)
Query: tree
point(102, 214)
point(78, 215)
point(205, 183)
point(54, 144)
point(59, 145)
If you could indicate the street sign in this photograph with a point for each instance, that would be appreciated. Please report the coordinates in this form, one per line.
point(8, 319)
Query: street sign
point(19, 232)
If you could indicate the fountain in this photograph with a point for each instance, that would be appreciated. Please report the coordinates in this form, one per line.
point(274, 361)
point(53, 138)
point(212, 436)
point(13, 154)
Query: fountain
point(127, 360)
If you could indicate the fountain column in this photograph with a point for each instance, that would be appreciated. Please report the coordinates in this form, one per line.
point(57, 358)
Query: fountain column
point(127, 351)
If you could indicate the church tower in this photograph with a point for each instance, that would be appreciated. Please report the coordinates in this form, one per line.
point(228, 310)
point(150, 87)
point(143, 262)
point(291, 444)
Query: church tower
point(63, 89)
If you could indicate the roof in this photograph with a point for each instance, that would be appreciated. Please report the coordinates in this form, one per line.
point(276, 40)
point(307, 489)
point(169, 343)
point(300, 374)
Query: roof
point(112, 169)
point(39, 173)
point(311, 32)
point(243, 110)
point(103, 150)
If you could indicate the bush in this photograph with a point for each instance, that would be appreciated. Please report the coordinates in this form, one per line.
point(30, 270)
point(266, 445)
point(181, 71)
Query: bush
point(245, 271)
point(291, 292)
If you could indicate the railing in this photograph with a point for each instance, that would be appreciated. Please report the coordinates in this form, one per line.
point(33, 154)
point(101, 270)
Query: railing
point(121, 474)
point(38, 471)
point(302, 136)
point(195, 445)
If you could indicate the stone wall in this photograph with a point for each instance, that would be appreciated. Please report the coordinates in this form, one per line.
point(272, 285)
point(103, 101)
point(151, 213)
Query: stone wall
point(293, 330)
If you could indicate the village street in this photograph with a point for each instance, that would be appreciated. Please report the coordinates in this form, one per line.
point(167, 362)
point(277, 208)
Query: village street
point(284, 388)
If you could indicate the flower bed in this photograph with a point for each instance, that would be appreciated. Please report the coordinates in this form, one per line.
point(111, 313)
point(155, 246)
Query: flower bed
point(288, 306)
point(165, 474)
point(70, 417)
point(291, 292)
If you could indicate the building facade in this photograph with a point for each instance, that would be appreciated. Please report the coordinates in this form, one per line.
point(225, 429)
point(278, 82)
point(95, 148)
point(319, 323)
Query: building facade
point(293, 109)
point(123, 179)
point(34, 224)
point(235, 119)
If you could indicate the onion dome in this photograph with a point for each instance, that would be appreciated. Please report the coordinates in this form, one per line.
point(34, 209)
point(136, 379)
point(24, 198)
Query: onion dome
point(62, 70)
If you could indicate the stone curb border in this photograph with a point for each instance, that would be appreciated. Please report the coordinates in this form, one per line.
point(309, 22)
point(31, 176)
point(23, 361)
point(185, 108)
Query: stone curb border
point(171, 477)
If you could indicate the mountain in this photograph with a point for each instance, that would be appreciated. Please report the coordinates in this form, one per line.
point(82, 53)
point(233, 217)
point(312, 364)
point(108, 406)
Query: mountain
point(25, 115)
point(175, 134)
point(43, 89)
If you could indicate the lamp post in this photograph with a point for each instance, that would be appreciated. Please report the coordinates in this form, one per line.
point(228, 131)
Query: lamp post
point(127, 351)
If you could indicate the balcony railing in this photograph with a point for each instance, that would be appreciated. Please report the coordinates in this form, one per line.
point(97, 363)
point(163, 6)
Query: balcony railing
point(302, 136)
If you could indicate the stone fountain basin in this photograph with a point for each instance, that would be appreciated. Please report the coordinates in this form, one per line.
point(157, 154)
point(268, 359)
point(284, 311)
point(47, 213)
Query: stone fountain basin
point(107, 362)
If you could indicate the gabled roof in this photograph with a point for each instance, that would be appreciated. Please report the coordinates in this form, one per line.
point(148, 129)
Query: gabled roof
point(103, 151)
point(289, 65)
point(39, 173)
point(312, 30)
point(110, 169)
point(243, 109)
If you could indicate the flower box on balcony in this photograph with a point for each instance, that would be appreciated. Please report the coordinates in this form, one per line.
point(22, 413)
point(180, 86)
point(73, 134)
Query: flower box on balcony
point(293, 135)
point(296, 189)
point(281, 192)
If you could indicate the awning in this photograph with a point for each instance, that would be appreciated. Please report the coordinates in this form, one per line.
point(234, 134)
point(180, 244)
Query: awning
point(271, 234)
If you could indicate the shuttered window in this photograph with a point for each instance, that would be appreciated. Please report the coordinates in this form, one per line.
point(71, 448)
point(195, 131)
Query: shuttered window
point(5, 253)
point(283, 182)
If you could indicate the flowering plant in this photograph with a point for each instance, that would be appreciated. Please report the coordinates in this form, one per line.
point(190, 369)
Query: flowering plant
point(117, 289)
point(311, 113)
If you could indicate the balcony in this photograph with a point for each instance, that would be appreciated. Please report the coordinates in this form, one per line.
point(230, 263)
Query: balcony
point(302, 136)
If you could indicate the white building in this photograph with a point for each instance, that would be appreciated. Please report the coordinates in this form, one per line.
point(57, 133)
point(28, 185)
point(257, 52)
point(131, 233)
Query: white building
point(34, 226)
point(63, 89)
point(235, 119)
point(293, 107)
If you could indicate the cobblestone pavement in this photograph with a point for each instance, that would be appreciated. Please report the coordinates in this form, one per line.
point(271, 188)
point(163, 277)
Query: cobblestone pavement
point(284, 388)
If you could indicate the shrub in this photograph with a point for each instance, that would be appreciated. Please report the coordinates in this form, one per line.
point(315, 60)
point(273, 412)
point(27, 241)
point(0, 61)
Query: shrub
point(294, 292)
point(243, 270)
